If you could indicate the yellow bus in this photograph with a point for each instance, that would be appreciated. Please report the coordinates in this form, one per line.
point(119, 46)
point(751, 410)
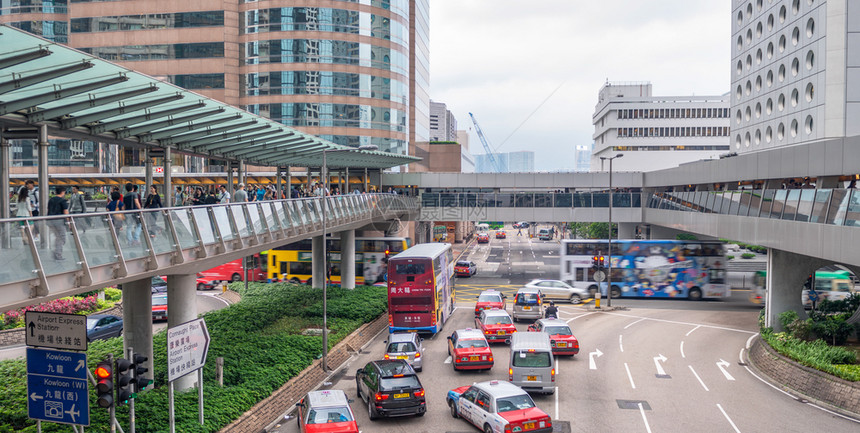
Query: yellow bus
point(293, 262)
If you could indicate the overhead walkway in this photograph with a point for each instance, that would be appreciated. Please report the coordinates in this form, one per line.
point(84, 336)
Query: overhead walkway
point(181, 240)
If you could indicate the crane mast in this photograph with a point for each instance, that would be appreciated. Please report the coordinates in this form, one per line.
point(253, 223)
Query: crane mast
point(490, 154)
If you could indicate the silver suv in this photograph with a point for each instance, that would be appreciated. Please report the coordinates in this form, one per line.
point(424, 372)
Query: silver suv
point(407, 346)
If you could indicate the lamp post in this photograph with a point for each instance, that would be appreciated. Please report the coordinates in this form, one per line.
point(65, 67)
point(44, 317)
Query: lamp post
point(609, 265)
point(324, 175)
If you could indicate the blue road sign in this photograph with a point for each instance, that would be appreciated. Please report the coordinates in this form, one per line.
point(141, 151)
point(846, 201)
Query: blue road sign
point(57, 387)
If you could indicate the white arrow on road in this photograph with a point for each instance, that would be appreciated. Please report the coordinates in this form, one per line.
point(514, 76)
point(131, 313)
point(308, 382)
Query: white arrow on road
point(35, 396)
point(82, 363)
point(657, 361)
point(591, 364)
point(723, 365)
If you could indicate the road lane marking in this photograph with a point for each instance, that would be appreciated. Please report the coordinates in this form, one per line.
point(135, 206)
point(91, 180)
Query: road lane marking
point(682, 323)
point(620, 345)
point(631, 324)
point(591, 364)
point(629, 376)
point(723, 365)
point(556, 402)
point(577, 317)
point(749, 340)
point(448, 359)
point(729, 419)
point(682, 350)
point(697, 377)
point(691, 331)
point(642, 411)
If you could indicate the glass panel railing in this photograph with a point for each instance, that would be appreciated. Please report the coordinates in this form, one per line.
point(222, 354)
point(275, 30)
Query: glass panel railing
point(734, 201)
point(790, 208)
point(754, 203)
point(819, 206)
point(15, 254)
point(57, 248)
point(255, 220)
point(238, 213)
point(582, 199)
point(184, 228)
point(429, 199)
point(504, 200)
point(543, 200)
point(282, 215)
point(468, 199)
point(486, 200)
point(621, 199)
point(161, 238)
point(448, 200)
point(270, 216)
point(778, 205)
point(709, 199)
point(204, 225)
point(96, 239)
point(298, 212)
point(852, 213)
point(766, 202)
point(838, 207)
point(636, 199)
point(314, 209)
point(524, 200)
point(804, 207)
point(600, 199)
point(222, 218)
point(563, 200)
point(130, 231)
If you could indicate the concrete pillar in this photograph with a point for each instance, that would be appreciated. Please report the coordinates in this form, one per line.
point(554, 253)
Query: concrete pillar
point(289, 181)
point(137, 319)
point(626, 230)
point(828, 182)
point(44, 187)
point(345, 188)
point(231, 184)
point(5, 168)
point(317, 267)
point(241, 172)
point(167, 182)
point(181, 308)
point(347, 259)
point(308, 180)
point(147, 172)
point(459, 230)
point(660, 232)
point(278, 182)
point(366, 183)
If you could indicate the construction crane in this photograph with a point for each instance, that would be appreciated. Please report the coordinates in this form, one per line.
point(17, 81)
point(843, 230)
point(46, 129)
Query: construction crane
point(492, 156)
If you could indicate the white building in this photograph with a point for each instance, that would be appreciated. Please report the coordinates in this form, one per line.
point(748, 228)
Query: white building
point(582, 157)
point(467, 161)
point(656, 133)
point(443, 124)
point(795, 72)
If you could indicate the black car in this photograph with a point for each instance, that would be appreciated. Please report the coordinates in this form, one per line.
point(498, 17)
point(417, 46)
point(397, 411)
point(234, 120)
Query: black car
point(390, 388)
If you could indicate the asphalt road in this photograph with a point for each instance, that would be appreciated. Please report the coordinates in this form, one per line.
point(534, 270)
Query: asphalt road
point(656, 366)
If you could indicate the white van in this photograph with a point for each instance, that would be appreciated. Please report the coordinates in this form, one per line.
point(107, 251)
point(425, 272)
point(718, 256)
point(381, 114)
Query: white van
point(544, 235)
point(532, 366)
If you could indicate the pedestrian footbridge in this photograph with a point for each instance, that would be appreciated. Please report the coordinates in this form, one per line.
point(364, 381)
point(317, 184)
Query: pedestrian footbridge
point(50, 257)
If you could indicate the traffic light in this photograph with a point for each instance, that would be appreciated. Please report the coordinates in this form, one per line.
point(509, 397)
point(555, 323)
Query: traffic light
point(140, 382)
point(387, 252)
point(595, 264)
point(123, 380)
point(600, 263)
point(104, 385)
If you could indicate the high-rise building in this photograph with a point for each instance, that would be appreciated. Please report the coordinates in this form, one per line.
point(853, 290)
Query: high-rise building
point(443, 124)
point(795, 72)
point(511, 162)
point(467, 161)
point(658, 132)
point(582, 157)
point(354, 73)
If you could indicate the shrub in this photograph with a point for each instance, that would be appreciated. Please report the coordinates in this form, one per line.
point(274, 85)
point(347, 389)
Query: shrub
point(113, 295)
point(833, 329)
point(815, 354)
point(747, 255)
point(730, 257)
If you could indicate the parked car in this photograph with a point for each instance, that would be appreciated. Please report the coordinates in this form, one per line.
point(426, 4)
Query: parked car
point(556, 290)
point(521, 225)
point(407, 346)
point(501, 234)
point(483, 238)
point(498, 406)
point(390, 388)
point(465, 268)
point(496, 325)
point(527, 304)
point(326, 411)
point(561, 338)
point(100, 326)
point(159, 307)
point(489, 300)
point(469, 350)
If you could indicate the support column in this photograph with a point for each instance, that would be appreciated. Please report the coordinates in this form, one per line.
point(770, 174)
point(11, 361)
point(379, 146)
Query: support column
point(626, 230)
point(147, 170)
point(231, 183)
point(5, 168)
point(289, 180)
point(181, 308)
point(278, 182)
point(380, 181)
point(317, 267)
point(347, 259)
point(168, 182)
point(137, 318)
point(44, 187)
point(345, 188)
point(241, 172)
point(365, 181)
point(308, 181)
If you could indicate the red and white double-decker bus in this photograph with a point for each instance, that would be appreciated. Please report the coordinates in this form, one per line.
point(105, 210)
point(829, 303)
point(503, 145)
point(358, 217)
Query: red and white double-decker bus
point(421, 288)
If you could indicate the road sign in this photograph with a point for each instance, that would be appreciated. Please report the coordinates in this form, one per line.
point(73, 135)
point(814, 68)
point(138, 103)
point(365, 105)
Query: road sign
point(57, 387)
point(599, 276)
point(60, 331)
point(187, 346)
point(813, 296)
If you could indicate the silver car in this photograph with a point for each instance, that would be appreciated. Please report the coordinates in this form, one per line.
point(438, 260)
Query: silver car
point(407, 346)
point(555, 290)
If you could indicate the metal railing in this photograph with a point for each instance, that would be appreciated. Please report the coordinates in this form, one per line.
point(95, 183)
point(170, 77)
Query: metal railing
point(532, 200)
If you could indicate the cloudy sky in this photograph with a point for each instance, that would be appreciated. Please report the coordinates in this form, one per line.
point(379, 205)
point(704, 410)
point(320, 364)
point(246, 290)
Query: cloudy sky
point(500, 59)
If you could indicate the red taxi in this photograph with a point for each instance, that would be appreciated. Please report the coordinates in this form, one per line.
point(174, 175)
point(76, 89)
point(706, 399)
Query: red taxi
point(496, 325)
point(501, 234)
point(498, 407)
point(483, 238)
point(326, 411)
point(489, 300)
point(469, 350)
point(561, 338)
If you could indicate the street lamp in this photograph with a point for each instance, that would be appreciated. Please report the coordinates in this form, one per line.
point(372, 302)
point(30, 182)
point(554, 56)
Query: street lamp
point(609, 265)
point(324, 175)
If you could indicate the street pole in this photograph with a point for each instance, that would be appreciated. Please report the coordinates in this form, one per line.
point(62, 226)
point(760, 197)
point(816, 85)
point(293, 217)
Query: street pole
point(609, 253)
point(324, 174)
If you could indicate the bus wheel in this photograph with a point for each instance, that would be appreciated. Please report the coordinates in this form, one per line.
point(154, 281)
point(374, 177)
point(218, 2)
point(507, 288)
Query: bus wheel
point(236, 278)
point(294, 280)
point(695, 294)
point(616, 292)
point(593, 291)
point(310, 282)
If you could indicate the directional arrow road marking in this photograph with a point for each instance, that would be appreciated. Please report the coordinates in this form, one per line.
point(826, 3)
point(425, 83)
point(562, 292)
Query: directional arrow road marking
point(35, 396)
point(657, 361)
point(591, 364)
point(723, 365)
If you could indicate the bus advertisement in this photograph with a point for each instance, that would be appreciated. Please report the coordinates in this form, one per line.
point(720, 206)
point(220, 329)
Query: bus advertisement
point(649, 268)
point(440, 233)
point(292, 262)
point(232, 271)
point(421, 288)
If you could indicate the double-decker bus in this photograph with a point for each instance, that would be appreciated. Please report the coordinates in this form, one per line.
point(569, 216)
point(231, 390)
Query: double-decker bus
point(831, 284)
point(232, 271)
point(649, 268)
point(421, 288)
point(292, 262)
point(440, 233)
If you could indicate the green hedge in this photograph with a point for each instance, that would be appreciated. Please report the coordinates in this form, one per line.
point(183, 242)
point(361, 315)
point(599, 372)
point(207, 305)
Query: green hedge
point(259, 357)
point(816, 354)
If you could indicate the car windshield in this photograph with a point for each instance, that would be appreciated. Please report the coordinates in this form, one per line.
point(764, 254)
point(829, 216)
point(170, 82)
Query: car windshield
point(91, 323)
point(532, 359)
point(515, 402)
point(465, 264)
point(329, 414)
point(393, 383)
point(527, 298)
point(159, 300)
point(557, 330)
point(498, 320)
point(465, 344)
point(404, 346)
point(489, 298)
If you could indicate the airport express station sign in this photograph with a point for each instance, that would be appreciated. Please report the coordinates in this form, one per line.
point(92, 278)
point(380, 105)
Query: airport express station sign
point(60, 331)
point(187, 346)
